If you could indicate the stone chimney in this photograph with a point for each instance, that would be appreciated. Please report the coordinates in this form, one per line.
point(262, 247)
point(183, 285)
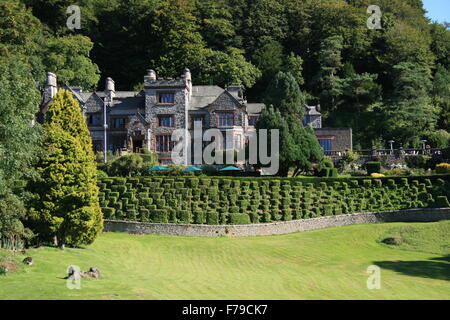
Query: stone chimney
point(236, 91)
point(110, 90)
point(48, 94)
point(50, 87)
point(150, 76)
point(187, 75)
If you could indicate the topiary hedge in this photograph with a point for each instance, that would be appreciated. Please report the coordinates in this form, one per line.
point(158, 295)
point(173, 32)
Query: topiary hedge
point(226, 200)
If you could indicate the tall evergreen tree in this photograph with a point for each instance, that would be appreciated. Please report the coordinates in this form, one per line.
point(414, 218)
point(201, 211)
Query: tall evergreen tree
point(330, 60)
point(298, 147)
point(67, 210)
point(285, 95)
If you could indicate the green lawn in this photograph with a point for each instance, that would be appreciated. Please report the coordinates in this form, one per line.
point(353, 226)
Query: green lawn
point(322, 264)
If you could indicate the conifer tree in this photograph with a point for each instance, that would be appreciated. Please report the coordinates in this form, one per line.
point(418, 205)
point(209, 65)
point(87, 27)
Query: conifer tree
point(67, 210)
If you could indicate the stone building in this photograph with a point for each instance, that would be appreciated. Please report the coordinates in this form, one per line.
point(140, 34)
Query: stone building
point(145, 119)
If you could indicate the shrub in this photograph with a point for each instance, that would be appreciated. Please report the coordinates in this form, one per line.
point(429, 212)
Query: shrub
point(377, 175)
point(418, 161)
point(284, 199)
point(443, 168)
point(199, 217)
point(160, 216)
point(239, 218)
point(373, 167)
point(442, 202)
point(109, 213)
point(212, 217)
point(136, 164)
point(101, 174)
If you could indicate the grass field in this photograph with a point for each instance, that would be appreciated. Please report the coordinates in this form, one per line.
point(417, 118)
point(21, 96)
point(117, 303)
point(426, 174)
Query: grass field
point(322, 264)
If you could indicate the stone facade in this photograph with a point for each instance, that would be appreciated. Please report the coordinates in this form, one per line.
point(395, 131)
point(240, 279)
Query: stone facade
point(147, 119)
point(265, 229)
point(335, 139)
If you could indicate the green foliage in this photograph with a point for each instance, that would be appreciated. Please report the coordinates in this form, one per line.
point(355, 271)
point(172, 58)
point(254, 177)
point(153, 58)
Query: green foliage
point(19, 142)
point(284, 95)
point(135, 164)
point(418, 161)
point(373, 167)
point(214, 200)
point(101, 174)
point(67, 207)
point(439, 139)
point(299, 148)
point(239, 218)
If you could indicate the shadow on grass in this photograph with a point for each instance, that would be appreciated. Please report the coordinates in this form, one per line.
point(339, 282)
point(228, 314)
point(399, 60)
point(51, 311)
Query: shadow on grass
point(433, 269)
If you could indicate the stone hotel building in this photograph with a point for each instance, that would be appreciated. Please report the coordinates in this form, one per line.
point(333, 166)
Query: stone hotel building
point(147, 118)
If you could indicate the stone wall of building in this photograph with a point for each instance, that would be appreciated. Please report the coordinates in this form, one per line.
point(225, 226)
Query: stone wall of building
point(265, 229)
point(342, 137)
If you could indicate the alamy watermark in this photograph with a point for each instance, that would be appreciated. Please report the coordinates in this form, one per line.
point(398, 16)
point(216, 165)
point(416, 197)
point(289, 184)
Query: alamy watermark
point(74, 20)
point(73, 280)
point(374, 21)
point(374, 279)
point(190, 149)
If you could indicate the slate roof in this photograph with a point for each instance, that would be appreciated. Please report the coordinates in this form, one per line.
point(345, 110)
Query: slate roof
point(255, 108)
point(202, 96)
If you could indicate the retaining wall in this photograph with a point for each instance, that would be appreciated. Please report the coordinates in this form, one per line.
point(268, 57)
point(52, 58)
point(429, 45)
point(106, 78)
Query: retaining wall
point(264, 229)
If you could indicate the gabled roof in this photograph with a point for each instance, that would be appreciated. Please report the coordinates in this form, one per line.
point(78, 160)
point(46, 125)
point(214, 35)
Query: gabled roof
point(226, 101)
point(203, 96)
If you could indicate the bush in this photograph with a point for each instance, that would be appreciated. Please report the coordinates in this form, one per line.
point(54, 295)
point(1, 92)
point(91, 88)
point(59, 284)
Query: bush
point(442, 202)
point(418, 161)
point(443, 168)
point(101, 174)
point(239, 218)
point(212, 217)
point(244, 200)
point(136, 164)
point(373, 167)
point(377, 175)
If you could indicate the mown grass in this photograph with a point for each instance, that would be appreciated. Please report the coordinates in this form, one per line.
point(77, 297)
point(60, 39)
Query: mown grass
point(322, 264)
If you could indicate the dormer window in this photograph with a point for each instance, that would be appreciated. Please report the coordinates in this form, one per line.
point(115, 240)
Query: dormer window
point(166, 98)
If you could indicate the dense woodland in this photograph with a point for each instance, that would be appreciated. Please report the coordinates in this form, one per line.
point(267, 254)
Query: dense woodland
point(391, 83)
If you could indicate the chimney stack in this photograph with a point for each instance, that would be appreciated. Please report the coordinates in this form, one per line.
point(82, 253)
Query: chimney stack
point(187, 75)
point(150, 76)
point(110, 89)
point(51, 86)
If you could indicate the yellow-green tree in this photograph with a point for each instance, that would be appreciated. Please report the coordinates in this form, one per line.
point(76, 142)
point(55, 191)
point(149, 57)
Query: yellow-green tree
point(67, 209)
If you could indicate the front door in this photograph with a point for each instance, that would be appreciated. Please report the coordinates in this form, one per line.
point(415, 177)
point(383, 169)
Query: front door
point(137, 144)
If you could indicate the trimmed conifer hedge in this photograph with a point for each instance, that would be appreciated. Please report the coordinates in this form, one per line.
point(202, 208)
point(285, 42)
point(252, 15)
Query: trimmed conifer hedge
point(234, 200)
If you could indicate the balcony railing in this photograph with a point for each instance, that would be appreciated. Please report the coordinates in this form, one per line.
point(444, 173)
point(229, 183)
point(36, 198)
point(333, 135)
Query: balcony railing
point(387, 152)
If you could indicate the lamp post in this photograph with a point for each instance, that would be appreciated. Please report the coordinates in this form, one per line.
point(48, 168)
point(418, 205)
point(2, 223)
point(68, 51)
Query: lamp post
point(105, 127)
point(391, 142)
point(423, 143)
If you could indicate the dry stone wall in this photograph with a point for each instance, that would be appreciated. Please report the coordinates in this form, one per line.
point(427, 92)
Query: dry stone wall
point(264, 229)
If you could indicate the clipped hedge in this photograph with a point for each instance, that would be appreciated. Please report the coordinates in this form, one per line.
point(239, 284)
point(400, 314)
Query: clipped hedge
point(241, 200)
